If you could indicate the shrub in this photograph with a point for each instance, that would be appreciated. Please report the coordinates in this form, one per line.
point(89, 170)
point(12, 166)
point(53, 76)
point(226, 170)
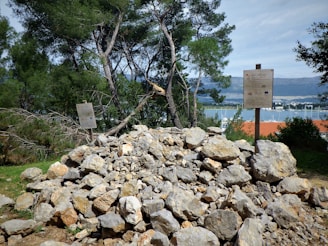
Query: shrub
point(302, 133)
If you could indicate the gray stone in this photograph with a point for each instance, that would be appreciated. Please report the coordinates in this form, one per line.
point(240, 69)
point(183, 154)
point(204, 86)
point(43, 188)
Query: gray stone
point(18, 226)
point(93, 163)
point(242, 144)
point(112, 221)
point(47, 184)
point(5, 201)
point(185, 205)
point(194, 236)
point(92, 180)
point(164, 222)
point(186, 175)
point(194, 137)
point(169, 173)
point(286, 209)
point(105, 201)
point(152, 206)
point(31, 174)
point(130, 209)
point(43, 212)
point(211, 194)
point(53, 243)
point(319, 197)
point(78, 154)
point(205, 177)
point(72, 174)
point(214, 130)
point(273, 162)
point(234, 174)
point(24, 201)
point(223, 223)
point(240, 202)
point(295, 185)
point(56, 170)
point(221, 149)
point(212, 165)
point(98, 190)
point(160, 239)
point(250, 233)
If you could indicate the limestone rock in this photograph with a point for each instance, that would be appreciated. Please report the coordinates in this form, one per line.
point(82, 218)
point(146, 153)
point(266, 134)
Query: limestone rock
point(295, 185)
point(194, 137)
point(250, 233)
point(185, 205)
point(319, 197)
point(24, 201)
point(223, 223)
point(31, 174)
point(286, 209)
point(112, 221)
point(194, 236)
point(57, 170)
point(93, 163)
point(234, 174)
point(130, 209)
point(78, 154)
point(105, 201)
point(164, 222)
point(43, 212)
point(273, 162)
point(221, 149)
point(18, 226)
point(5, 201)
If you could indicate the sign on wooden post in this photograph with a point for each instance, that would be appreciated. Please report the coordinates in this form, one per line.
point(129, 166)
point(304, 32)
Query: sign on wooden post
point(258, 88)
point(86, 116)
point(258, 93)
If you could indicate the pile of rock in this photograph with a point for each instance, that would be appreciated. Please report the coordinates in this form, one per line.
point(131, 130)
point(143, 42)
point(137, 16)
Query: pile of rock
point(169, 186)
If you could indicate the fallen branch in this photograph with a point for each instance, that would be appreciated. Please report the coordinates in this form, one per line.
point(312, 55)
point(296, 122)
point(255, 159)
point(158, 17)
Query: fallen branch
point(125, 121)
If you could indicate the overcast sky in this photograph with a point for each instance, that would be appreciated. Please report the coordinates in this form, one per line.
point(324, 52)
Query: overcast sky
point(267, 31)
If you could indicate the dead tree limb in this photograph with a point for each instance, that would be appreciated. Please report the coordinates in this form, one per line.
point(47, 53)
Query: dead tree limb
point(125, 121)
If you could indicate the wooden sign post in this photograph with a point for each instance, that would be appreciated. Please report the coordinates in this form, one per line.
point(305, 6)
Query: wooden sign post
point(86, 117)
point(258, 93)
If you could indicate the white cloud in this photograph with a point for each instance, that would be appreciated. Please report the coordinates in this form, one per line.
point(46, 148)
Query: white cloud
point(267, 31)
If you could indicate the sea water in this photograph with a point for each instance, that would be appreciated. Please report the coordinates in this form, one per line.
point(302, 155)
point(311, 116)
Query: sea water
point(267, 114)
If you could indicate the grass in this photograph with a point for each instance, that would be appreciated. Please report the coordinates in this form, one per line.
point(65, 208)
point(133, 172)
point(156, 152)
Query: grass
point(310, 161)
point(10, 183)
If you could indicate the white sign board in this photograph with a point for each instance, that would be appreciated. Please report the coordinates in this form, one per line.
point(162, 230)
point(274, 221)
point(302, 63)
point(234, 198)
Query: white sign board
point(86, 115)
point(258, 88)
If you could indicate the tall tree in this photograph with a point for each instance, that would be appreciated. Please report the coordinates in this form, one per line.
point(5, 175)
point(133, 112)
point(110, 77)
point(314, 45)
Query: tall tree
point(316, 55)
point(141, 40)
point(209, 48)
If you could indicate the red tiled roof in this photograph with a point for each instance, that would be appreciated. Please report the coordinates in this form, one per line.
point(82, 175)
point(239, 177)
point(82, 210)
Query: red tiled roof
point(272, 127)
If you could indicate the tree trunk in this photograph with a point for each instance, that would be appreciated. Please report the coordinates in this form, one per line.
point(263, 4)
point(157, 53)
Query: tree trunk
point(169, 95)
point(194, 118)
point(104, 56)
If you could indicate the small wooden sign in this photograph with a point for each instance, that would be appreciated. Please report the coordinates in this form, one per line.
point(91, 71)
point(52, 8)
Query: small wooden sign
point(86, 115)
point(258, 88)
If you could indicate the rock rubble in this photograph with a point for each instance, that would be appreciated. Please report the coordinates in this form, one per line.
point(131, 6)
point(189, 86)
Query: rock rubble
point(169, 186)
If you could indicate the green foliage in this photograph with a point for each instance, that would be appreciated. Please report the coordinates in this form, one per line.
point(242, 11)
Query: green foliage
point(234, 130)
point(316, 55)
point(302, 133)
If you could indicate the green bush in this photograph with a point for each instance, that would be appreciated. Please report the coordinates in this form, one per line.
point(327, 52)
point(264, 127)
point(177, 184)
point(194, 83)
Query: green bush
point(302, 133)
point(234, 130)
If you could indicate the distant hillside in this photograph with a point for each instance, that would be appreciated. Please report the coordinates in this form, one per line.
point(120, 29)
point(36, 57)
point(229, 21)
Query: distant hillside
point(285, 89)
